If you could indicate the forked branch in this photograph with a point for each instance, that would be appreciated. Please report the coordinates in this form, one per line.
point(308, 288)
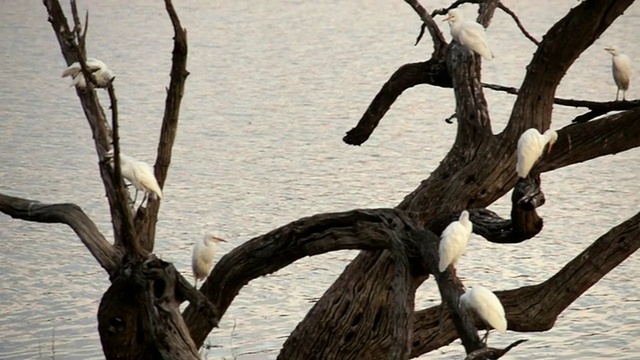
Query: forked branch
point(536, 308)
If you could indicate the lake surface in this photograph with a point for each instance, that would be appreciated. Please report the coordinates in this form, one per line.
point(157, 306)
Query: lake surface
point(273, 88)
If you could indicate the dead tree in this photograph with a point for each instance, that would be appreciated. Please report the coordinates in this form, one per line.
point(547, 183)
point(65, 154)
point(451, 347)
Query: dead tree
point(368, 313)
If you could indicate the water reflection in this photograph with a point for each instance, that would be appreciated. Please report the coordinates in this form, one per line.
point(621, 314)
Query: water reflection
point(273, 88)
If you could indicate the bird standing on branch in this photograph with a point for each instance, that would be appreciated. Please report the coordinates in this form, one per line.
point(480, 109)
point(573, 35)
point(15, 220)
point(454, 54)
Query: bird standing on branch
point(531, 146)
point(487, 306)
point(621, 68)
point(468, 33)
point(453, 242)
point(202, 258)
point(141, 176)
point(99, 70)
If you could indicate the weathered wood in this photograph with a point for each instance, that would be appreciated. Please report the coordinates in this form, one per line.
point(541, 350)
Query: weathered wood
point(536, 308)
point(70, 214)
point(146, 219)
point(139, 315)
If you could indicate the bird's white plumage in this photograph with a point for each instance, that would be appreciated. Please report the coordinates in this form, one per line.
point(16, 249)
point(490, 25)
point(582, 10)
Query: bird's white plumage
point(203, 254)
point(98, 68)
point(140, 174)
point(469, 33)
point(453, 242)
point(621, 69)
point(530, 147)
point(487, 305)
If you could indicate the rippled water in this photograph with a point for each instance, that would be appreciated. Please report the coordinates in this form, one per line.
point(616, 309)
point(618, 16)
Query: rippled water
point(273, 88)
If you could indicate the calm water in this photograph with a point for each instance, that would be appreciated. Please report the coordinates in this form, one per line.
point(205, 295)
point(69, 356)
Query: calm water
point(273, 88)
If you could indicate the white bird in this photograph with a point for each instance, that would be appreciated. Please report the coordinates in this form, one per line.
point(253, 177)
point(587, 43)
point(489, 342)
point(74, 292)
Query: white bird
point(203, 253)
point(453, 242)
point(487, 306)
point(99, 70)
point(531, 146)
point(621, 68)
point(468, 33)
point(141, 176)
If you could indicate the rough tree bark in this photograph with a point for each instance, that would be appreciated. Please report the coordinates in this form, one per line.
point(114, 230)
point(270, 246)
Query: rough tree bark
point(369, 310)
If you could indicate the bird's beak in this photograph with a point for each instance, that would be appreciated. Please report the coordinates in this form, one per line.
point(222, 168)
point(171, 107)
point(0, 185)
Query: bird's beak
point(447, 18)
point(549, 149)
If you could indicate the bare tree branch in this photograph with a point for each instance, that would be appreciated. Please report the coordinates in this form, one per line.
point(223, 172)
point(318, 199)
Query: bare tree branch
point(601, 107)
point(492, 353)
point(432, 72)
point(357, 229)
point(536, 308)
point(534, 105)
point(515, 18)
point(146, 218)
point(70, 214)
point(581, 142)
point(90, 104)
point(439, 43)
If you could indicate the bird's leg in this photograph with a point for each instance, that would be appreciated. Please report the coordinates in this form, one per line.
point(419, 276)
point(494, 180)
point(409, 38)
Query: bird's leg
point(145, 198)
point(485, 337)
point(135, 197)
point(195, 285)
point(624, 93)
point(618, 94)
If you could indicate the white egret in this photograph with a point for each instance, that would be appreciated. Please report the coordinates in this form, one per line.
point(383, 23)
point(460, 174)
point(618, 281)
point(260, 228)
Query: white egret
point(468, 33)
point(531, 146)
point(488, 307)
point(141, 176)
point(621, 68)
point(99, 70)
point(453, 242)
point(202, 259)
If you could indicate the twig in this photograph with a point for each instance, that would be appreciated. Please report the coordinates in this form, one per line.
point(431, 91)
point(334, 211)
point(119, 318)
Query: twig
point(597, 108)
point(439, 43)
point(513, 15)
point(444, 11)
point(449, 120)
point(77, 44)
point(83, 38)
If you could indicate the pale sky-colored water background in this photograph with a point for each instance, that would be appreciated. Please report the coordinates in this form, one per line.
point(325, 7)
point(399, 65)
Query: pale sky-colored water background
point(273, 88)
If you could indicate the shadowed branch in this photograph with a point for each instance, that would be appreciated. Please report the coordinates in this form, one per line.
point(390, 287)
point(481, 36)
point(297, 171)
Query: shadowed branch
point(536, 308)
point(146, 218)
point(70, 214)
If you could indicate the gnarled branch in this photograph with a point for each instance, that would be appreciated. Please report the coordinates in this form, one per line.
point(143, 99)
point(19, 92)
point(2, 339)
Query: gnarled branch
point(70, 214)
point(146, 219)
point(536, 308)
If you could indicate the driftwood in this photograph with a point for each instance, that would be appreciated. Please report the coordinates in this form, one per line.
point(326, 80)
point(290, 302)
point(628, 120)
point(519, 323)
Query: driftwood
point(368, 312)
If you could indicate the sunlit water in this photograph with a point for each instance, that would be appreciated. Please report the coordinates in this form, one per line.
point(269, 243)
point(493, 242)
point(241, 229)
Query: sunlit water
point(273, 88)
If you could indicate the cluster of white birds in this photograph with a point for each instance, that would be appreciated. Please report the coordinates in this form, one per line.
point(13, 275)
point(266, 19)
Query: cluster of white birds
point(472, 35)
point(98, 68)
point(453, 244)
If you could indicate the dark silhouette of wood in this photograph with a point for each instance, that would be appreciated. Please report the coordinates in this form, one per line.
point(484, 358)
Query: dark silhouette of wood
point(490, 353)
point(368, 312)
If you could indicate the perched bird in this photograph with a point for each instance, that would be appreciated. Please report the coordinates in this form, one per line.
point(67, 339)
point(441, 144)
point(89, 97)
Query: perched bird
point(99, 70)
point(621, 68)
point(453, 242)
point(531, 146)
point(203, 253)
point(487, 305)
point(141, 176)
point(468, 33)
